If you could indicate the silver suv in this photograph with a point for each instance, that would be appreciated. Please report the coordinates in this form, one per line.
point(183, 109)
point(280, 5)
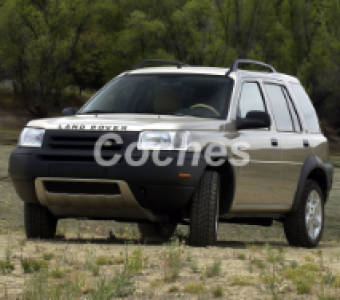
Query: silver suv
point(180, 145)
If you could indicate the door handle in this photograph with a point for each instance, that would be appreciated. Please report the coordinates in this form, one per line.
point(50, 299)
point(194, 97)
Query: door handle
point(274, 142)
point(305, 143)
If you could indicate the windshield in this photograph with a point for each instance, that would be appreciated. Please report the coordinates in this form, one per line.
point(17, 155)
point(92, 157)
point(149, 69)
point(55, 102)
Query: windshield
point(164, 94)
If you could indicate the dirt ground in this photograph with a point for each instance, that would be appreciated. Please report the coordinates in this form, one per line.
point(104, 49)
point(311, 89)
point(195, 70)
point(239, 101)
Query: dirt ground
point(249, 262)
point(70, 256)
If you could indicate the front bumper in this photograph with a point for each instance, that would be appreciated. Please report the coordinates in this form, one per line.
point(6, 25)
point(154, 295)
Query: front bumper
point(155, 188)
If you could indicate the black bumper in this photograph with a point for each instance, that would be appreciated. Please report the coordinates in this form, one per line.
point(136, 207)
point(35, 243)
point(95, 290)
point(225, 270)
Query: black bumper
point(157, 188)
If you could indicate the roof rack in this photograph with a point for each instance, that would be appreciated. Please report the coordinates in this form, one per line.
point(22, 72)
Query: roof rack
point(165, 61)
point(234, 65)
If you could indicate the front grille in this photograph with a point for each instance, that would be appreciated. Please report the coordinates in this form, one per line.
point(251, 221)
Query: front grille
point(78, 142)
point(78, 146)
point(90, 188)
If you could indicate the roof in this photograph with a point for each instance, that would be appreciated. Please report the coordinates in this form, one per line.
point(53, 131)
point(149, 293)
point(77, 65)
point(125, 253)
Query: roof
point(184, 69)
point(211, 71)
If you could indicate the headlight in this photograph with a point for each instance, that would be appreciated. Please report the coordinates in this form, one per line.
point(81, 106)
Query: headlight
point(163, 140)
point(31, 137)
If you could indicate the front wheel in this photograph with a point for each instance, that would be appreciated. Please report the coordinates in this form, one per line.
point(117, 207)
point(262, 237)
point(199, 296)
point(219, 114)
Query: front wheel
point(39, 222)
point(304, 227)
point(205, 211)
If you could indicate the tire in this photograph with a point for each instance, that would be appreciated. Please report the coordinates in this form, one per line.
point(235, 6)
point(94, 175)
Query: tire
point(205, 211)
point(39, 222)
point(156, 231)
point(297, 232)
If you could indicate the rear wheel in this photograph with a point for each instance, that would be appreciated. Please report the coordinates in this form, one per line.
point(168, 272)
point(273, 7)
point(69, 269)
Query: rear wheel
point(304, 227)
point(205, 211)
point(39, 222)
point(156, 231)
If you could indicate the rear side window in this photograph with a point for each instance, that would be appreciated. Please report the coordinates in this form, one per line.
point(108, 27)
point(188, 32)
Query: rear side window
point(307, 108)
point(279, 106)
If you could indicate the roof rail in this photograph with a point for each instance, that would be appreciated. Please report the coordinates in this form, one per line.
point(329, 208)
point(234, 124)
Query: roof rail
point(236, 62)
point(165, 61)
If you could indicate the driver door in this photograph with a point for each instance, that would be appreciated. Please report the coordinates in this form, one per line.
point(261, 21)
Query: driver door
point(258, 181)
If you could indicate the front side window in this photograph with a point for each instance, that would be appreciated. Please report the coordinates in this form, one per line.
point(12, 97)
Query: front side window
point(307, 108)
point(250, 100)
point(279, 106)
point(164, 94)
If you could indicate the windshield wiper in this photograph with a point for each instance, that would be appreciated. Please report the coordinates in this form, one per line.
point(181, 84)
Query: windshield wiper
point(98, 111)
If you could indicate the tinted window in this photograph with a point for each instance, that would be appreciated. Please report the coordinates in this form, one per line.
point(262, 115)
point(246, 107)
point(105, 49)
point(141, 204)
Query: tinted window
point(279, 107)
point(165, 94)
point(307, 108)
point(251, 99)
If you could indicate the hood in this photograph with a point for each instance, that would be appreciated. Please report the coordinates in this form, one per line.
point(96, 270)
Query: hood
point(128, 122)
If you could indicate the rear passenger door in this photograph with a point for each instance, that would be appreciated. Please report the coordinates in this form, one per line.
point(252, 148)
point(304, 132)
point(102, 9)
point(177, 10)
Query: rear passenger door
point(293, 141)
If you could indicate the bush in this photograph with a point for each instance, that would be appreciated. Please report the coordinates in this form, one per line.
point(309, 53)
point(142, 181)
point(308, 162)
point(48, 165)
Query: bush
point(48, 255)
point(241, 256)
point(57, 273)
point(103, 261)
point(118, 286)
point(217, 291)
point(122, 284)
point(303, 276)
point(239, 280)
point(215, 269)
point(194, 288)
point(31, 265)
point(173, 261)
point(134, 263)
point(6, 267)
point(258, 263)
point(91, 265)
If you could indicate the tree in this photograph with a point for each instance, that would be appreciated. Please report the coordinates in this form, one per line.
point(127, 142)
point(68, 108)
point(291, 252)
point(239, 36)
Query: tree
point(39, 42)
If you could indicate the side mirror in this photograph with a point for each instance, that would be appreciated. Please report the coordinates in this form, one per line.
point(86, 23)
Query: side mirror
point(254, 119)
point(69, 111)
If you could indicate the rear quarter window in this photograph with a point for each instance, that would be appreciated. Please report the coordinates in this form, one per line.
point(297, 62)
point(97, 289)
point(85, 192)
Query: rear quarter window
point(307, 108)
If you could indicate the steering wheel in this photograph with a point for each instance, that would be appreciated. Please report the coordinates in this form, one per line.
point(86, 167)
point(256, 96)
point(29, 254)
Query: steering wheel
point(207, 107)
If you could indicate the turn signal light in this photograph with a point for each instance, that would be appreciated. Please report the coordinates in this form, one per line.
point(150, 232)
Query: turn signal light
point(184, 175)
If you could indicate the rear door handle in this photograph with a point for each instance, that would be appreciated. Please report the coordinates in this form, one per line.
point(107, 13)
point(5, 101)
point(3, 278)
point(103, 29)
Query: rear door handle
point(274, 142)
point(305, 143)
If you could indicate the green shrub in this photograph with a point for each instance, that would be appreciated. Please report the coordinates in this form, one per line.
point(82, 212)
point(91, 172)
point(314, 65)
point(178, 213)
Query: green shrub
point(6, 267)
point(57, 273)
point(121, 284)
point(31, 265)
point(173, 261)
point(303, 276)
point(173, 289)
point(134, 262)
point(217, 291)
point(214, 270)
point(91, 265)
point(119, 259)
point(48, 255)
point(258, 263)
point(103, 261)
point(194, 267)
point(304, 287)
point(194, 288)
point(241, 256)
point(240, 280)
